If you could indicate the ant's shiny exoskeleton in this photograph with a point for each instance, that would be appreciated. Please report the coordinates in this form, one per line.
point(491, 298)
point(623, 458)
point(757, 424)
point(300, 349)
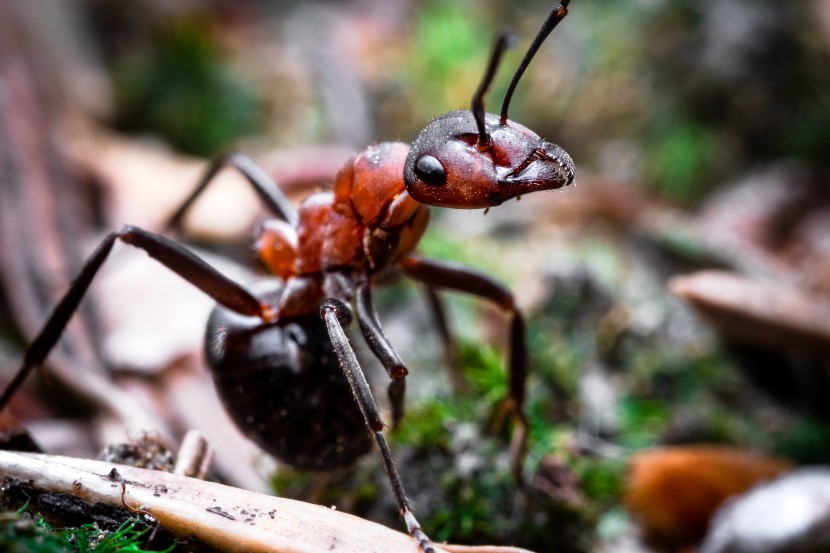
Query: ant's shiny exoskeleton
point(278, 353)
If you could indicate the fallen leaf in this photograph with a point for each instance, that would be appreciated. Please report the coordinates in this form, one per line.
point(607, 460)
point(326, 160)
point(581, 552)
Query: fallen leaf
point(759, 313)
point(673, 492)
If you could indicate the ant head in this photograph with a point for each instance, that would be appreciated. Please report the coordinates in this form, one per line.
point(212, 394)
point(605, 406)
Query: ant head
point(447, 166)
point(472, 159)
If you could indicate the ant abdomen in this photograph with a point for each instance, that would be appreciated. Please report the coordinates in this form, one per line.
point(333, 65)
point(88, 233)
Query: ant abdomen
point(283, 387)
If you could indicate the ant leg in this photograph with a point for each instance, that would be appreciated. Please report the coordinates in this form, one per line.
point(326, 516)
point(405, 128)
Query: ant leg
point(463, 279)
point(397, 393)
point(265, 187)
point(175, 257)
point(336, 314)
point(439, 315)
point(367, 316)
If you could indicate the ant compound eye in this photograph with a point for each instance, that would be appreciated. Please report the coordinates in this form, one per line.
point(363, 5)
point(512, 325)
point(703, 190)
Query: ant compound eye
point(430, 170)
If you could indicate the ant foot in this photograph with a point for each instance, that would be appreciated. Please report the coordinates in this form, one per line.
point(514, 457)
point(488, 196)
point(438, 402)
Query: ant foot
point(424, 543)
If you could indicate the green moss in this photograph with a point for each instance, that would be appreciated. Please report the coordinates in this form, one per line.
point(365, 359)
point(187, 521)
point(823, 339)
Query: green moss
point(480, 507)
point(680, 157)
point(430, 421)
point(807, 441)
point(427, 423)
point(179, 88)
point(601, 479)
point(643, 421)
point(450, 47)
point(19, 533)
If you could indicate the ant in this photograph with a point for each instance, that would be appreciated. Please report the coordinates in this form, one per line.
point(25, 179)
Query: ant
point(279, 355)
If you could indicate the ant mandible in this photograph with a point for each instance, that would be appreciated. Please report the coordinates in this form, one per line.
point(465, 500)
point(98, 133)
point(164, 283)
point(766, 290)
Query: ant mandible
point(274, 350)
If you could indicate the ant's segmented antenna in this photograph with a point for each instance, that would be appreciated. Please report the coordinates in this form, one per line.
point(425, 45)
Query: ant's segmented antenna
point(503, 41)
point(557, 15)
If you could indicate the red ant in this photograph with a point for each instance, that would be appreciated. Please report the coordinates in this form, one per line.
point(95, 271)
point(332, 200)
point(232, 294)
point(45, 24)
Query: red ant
point(274, 361)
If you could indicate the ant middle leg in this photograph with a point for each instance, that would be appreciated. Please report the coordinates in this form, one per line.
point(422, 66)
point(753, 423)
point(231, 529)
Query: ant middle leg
point(372, 331)
point(174, 256)
point(464, 279)
point(442, 325)
point(337, 314)
point(265, 187)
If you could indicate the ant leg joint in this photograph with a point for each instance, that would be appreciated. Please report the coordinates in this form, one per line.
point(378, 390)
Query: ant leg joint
point(415, 531)
point(342, 310)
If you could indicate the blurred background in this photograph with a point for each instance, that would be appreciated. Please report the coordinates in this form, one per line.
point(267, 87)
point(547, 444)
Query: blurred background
point(677, 294)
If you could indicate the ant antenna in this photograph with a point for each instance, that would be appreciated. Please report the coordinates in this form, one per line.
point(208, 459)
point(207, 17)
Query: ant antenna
point(503, 41)
point(557, 15)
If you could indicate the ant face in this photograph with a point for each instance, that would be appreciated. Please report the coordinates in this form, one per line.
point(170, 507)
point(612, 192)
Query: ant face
point(447, 166)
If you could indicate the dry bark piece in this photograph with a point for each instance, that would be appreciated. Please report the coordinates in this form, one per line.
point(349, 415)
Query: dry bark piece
point(673, 492)
point(227, 518)
point(195, 457)
point(763, 314)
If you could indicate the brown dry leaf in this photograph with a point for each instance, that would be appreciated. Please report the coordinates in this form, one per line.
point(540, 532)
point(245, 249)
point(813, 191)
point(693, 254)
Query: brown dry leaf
point(227, 518)
point(148, 181)
point(763, 314)
point(673, 492)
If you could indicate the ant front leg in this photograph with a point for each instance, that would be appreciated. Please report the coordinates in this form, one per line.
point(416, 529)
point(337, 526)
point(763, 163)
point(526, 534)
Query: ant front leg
point(265, 187)
point(175, 257)
point(470, 281)
point(337, 314)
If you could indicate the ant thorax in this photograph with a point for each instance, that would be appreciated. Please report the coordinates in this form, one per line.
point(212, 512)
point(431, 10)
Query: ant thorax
point(366, 223)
